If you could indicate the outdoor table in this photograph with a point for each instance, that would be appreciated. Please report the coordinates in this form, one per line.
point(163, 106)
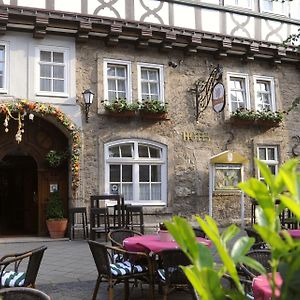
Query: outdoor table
point(262, 289)
point(152, 243)
point(294, 233)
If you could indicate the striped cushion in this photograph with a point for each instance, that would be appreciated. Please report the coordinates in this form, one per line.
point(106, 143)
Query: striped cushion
point(11, 279)
point(162, 274)
point(124, 268)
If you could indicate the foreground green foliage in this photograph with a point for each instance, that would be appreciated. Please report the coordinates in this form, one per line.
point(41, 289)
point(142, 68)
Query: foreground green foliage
point(206, 276)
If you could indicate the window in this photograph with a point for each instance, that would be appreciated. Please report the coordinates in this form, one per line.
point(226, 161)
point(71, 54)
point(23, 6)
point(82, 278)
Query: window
point(238, 91)
point(136, 169)
point(239, 3)
point(117, 81)
point(53, 69)
point(264, 93)
point(269, 155)
point(3, 68)
point(227, 176)
point(150, 79)
point(275, 7)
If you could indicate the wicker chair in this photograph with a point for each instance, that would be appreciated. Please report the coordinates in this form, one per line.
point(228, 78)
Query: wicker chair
point(22, 293)
point(11, 265)
point(116, 237)
point(263, 256)
point(246, 283)
point(171, 276)
point(115, 273)
point(199, 232)
point(259, 243)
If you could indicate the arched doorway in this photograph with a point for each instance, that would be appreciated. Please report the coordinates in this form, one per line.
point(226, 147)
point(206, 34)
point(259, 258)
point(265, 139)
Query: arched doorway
point(26, 177)
point(18, 197)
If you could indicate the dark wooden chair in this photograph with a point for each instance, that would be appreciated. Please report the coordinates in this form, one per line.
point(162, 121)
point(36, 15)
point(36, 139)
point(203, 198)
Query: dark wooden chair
point(171, 276)
point(117, 236)
point(263, 256)
point(199, 232)
point(115, 273)
point(21, 269)
point(22, 293)
point(135, 217)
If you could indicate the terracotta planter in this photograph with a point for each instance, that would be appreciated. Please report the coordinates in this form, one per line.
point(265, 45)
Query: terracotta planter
point(121, 114)
point(57, 228)
point(153, 116)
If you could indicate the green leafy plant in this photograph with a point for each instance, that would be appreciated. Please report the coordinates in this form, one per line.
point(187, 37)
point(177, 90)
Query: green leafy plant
point(205, 275)
point(56, 158)
point(55, 207)
point(120, 105)
point(264, 115)
point(153, 106)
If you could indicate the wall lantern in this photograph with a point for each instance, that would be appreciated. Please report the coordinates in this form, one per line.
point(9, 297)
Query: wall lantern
point(210, 89)
point(88, 97)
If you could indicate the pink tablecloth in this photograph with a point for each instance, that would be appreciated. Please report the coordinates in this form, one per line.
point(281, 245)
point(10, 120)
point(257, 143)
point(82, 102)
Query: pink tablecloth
point(294, 233)
point(153, 243)
point(262, 289)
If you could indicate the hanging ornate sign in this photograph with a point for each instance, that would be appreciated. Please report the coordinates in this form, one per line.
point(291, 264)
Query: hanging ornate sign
point(218, 97)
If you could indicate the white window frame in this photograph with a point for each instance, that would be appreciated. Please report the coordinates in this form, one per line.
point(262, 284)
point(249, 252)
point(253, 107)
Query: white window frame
point(128, 84)
point(247, 89)
point(272, 90)
point(284, 11)
point(136, 161)
point(160, 69)
point(239, 3)
point(66, 53)
point(4, 89)
point(268, 161)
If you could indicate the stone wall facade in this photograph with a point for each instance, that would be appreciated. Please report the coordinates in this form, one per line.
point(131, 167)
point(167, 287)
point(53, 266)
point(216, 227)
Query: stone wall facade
point(188, 161)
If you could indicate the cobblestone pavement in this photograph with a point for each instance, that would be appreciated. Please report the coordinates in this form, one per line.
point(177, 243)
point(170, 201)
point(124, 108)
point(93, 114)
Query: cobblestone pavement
point(68, 272)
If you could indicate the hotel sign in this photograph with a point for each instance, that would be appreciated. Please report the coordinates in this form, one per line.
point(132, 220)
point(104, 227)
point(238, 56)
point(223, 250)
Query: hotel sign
point(195, 136)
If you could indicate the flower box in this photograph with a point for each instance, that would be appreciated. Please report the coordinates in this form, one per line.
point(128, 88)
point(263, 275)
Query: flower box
point(121, 114)
point(257, 123)
point(146, 115)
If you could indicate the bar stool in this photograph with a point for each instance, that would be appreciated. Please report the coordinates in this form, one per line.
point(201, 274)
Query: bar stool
point(99, 222)
point(73, 224)
point(135, 217)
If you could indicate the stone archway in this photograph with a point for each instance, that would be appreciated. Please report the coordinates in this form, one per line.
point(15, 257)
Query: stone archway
point(39, 137)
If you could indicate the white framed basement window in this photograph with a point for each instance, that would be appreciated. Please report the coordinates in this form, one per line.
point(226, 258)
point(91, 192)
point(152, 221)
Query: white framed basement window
point(264, 93)
point(138, 170)
point(150, 82)
point(52, 71)
point(269, 155)
point(238, 91)
point(4, 55)
point(117, 79)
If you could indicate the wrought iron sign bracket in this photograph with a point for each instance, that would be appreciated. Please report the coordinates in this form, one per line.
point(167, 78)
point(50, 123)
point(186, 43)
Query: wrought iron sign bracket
point(210, 89)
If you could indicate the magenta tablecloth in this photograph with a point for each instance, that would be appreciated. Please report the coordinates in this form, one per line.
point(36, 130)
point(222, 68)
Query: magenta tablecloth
point(262, 289)
point(153, 243)
point(294, 233)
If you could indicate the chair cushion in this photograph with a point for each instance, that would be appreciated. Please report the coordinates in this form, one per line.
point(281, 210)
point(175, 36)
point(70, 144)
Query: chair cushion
point(124, 268)
point(12, 279)
point(162, 274)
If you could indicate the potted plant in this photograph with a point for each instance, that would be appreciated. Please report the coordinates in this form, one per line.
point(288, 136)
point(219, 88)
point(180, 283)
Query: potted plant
point(153, 109)
point(265, 118)
point(55, 158)
point(56, 222)
point(120, 108)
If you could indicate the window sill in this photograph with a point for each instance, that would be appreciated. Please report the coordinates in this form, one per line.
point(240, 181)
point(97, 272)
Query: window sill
point(52, 95)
